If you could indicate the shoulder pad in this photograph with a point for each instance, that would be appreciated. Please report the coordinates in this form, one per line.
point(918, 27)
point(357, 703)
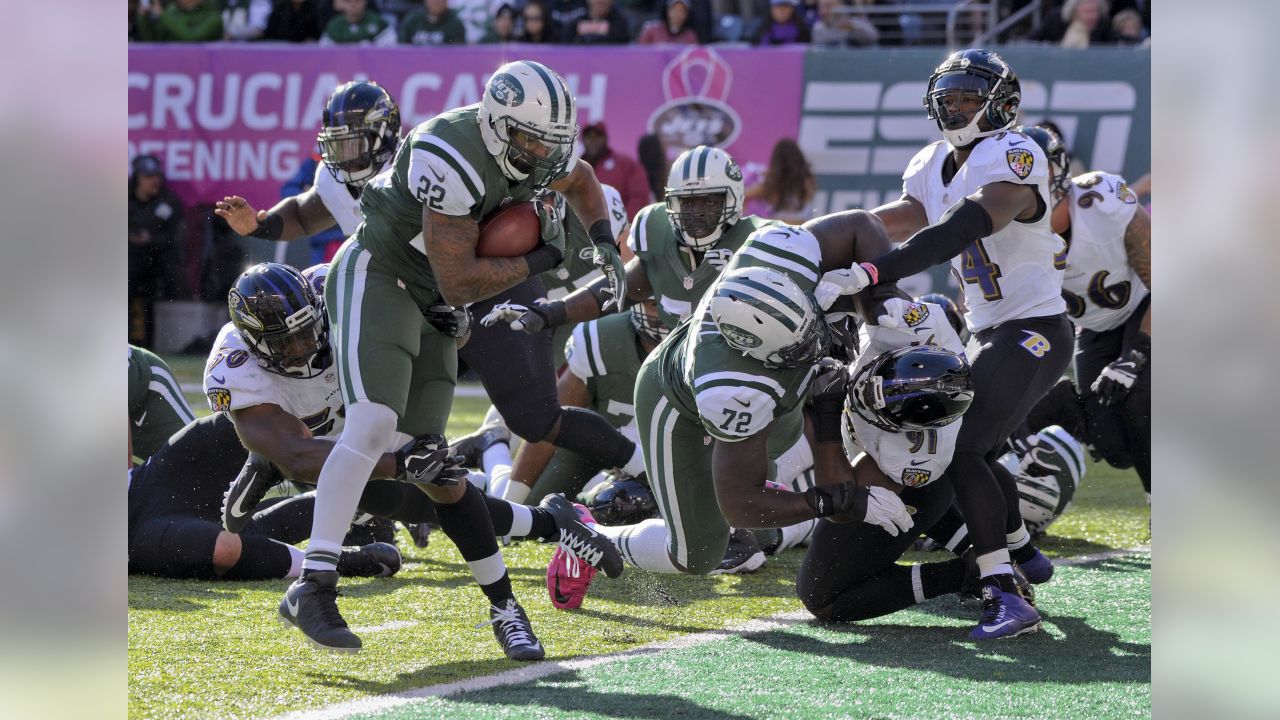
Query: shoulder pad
point(441, 176)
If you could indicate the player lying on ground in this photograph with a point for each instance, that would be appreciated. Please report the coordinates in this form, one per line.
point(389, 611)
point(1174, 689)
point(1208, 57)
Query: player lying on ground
point(157, 407)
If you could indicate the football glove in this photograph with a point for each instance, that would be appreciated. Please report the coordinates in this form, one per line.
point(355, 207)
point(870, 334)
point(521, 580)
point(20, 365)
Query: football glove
point(425, 460)
point(1032, 457)
point(609, 261)
point(1116, 379)
point(886, 509)
point(451, 320)
point(846, 281)
point(551, 225)
point(532, 319)
point(828, 395)
point(874, 505)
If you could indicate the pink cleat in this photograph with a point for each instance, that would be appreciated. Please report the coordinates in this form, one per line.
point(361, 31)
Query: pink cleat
point(569, 576)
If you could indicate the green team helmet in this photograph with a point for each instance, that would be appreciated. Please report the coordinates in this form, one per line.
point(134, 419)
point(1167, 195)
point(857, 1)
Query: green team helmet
point(529, 122)
point(704, 196)
point(765, 315)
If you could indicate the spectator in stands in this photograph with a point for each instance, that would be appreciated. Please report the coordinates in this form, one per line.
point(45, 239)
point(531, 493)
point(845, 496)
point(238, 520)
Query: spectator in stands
point(244, 19)
point(784, 25)
point(184, 21)
point(653, 158)
point(620, 171)
point(603, 24)
point(672, 28)
point(357, 25)
point(787, 190)
point(534, 27)
point(502, 29)
point(1127, 25)
point(836, 28)
point(435, 24)
point(142, 21)
point(1082, 23)
point(564, 16)
point(747, 10)
point(156, 238)
point(295, 21)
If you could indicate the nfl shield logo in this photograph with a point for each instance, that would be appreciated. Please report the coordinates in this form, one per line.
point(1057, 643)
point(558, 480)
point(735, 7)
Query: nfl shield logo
point(688, 282)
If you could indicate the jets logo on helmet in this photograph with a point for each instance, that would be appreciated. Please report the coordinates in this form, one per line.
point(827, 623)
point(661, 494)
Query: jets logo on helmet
point(529, 122)
point(704, 196)
point(969, 88)
point(787, 328)
point(360, 132)
point(1042, 500)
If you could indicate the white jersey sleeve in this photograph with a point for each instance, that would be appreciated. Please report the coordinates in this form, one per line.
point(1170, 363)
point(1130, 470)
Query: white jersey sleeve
point(433, 179)
point(582, 351)
point(638, 240)
point(914, 178)
point(1008, 157)
point(732, 413)
point(617, 210)
point(337, 199)
point(232, 378)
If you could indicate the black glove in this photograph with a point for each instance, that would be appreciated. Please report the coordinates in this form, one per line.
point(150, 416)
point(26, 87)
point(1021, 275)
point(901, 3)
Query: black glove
point(451, 320)
point(828, 395)
point(843, 499)
point(1117, 378)
point(426, 460)
point(532, 319)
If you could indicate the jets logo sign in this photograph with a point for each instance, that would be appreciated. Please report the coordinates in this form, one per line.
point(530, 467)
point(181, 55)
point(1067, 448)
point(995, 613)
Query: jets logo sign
point(696, 84)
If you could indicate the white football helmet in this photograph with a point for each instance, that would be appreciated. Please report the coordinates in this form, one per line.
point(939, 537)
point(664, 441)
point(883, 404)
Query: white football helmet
point(704, 196)
point(765, 315)
point(1042, 500)
point(529, 122)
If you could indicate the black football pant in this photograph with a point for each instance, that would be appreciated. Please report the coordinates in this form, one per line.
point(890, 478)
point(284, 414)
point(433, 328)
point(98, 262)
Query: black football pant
point(1016, 364)
point(1120, 434)
point(850, 570)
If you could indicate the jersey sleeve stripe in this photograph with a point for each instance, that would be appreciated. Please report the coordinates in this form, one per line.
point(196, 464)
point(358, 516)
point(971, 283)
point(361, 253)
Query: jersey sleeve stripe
point(444, 151)
point(782, 260)
point(639, 236)
point(173, 395)
point(767, 385)
point(591, 333)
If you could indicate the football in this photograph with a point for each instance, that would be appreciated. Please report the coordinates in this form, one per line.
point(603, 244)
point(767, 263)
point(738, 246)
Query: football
point(511, 231)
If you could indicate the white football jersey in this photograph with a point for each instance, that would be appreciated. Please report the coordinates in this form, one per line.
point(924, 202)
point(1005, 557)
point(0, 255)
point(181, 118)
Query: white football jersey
point(337, 198)
point(1010, 274)
point(233, 380)
point(1101, 288)
point(912, 458)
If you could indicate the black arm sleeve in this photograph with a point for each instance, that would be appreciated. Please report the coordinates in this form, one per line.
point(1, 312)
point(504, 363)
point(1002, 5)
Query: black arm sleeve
point(963, 224)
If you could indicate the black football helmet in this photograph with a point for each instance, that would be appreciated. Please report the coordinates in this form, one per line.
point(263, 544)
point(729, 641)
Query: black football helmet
point(281, 320)
point(983, 78)
point(917, 387)
point(622, 500)
point(952, 312)
point(644, 318)
point(360, 132)
point(1056, 151)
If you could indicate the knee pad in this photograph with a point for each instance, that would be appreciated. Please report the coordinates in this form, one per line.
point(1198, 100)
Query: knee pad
point(369, 429)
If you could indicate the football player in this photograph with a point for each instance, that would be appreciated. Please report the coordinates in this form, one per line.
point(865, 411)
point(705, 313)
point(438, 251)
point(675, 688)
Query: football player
point(359, 134)
point(416, 249)
point(157, 407)
point(980, 198)
point(272, 372)
point(1107, 287)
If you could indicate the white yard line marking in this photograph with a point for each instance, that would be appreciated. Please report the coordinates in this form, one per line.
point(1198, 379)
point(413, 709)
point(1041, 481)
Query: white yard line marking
point(393, 625)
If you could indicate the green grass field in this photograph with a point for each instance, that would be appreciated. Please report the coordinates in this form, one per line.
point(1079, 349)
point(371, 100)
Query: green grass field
point(201, 649)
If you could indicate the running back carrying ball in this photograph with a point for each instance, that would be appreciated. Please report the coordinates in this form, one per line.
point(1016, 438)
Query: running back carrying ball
point(512, 231)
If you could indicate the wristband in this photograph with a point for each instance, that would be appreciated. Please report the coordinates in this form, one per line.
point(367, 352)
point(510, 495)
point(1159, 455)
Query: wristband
point(269, 228)
point(542, 259)
point(872, 270)
point(601, 232)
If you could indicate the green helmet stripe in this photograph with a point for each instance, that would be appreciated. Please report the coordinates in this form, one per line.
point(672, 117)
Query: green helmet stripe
point(752, 290)
point(688, 163)
point(702, 161)
point(552, 90)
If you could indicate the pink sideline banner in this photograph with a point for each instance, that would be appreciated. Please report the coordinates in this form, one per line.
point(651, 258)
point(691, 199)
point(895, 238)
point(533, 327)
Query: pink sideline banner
point(239, 118)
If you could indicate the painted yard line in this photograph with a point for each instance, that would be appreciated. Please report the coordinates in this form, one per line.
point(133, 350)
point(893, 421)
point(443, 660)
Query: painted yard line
point(466, 390)
point(530, 673)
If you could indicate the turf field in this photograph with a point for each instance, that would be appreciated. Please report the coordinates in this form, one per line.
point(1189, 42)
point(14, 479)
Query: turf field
point(727, 647)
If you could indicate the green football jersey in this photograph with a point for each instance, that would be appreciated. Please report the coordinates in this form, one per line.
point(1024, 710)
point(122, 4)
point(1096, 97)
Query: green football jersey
point(443, 163)
point(678, 281)
point(605, 353)
point(732, 395)
point(578, 270)
point(157, 407)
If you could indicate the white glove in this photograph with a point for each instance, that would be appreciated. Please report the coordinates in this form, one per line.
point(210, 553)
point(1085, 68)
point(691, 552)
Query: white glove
point(895, 309)
point(885, 508)
point(846, 281)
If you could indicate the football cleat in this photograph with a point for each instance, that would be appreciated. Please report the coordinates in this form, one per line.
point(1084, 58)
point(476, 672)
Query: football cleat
point(568, 576)
point(577, 538)
point(971, 585)
point(311, 605)
point(377, 559)
point(742, 556)
point(420, 532)
point(1004, 614)
point(1038, 569)
point(256, 477)
point(471, 447)
point(514, 632)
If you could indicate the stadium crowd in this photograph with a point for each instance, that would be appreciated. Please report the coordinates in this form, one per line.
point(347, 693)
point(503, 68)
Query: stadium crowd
point(857, 23)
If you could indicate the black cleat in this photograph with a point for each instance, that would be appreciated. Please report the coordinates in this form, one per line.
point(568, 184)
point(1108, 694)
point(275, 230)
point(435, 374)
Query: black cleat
point(311, 605)
point(742, 556)
point(246, 491)
point(471, 447)
point(577, 538)
point(514, 632)
point(373, 560)
point(420, 532)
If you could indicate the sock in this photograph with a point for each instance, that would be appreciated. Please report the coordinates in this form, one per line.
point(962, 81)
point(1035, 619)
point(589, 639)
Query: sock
point(643, 546)
point(938, 578)
point(798, 534)
point(994, 563)
point(262, 558)
point(1020, 547)
point(467, 524)
point(950, 531)
point(499, 478)
point(493, 417)
point(479, 479)
point(497, 454)
point(337, 494)
point(635, 465)
point(595, 481)
point(295, 563)
point(516, 492)
point(589, 434)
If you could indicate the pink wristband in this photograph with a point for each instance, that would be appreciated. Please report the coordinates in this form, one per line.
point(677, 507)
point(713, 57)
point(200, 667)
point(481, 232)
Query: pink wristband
point(873, 271)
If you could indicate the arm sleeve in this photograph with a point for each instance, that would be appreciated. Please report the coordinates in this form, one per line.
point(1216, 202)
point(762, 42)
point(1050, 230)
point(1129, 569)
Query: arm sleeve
point(962, 225)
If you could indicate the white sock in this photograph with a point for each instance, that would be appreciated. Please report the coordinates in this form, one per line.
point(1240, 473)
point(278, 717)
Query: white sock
point(516, 492)
point(521, 520)
point(497, 454)
point(295, 563)
point(798, 534)
point(994, 563)
point(1018, 538)
point(479, 479)
point(498, 480)
point(635, 465)
point(955, 540)
point(488, 570)
point(643, 545)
